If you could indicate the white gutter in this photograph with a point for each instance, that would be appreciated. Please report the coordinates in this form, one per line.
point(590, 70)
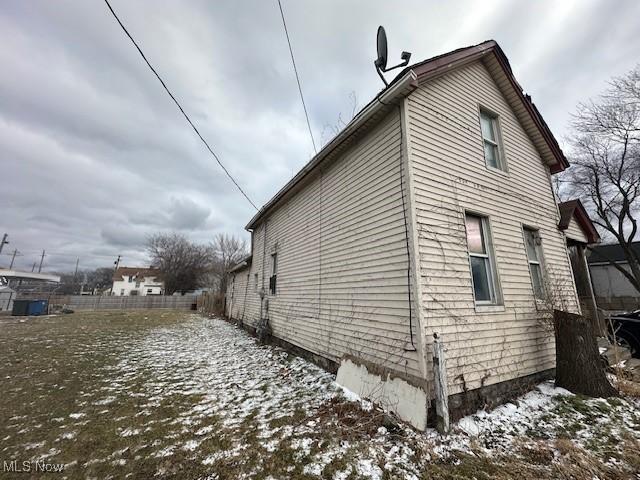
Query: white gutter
point(383, 101)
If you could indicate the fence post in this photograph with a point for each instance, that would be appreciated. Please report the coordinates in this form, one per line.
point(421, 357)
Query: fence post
point(441, 389)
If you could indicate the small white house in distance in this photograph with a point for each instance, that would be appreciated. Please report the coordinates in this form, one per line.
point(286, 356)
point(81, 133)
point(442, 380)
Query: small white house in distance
point(431, 213)
point(129, 281)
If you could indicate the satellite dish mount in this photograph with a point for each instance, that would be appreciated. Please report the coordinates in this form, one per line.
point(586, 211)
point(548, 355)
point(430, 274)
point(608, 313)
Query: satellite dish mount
point(381, 61)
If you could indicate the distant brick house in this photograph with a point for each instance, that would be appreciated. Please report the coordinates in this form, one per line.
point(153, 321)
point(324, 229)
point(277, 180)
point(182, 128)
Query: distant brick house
point(129, 281)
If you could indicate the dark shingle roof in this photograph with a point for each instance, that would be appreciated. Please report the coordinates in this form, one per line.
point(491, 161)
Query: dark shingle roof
point(575, 209)
point(604, 253)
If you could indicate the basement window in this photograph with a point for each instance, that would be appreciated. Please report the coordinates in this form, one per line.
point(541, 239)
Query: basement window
point(490, 128)
point(481, 260)
point(533, 244)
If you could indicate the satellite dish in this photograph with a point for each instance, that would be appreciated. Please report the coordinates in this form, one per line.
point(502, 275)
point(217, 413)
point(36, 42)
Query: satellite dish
point(381, 61)
point(381, 41)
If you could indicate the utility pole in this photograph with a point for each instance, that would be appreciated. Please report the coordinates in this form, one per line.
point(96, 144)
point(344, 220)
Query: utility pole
point(41, 260)
point(75, 275)
point(34, 267)
point(13, 257)
point(116, 263)
point(4, 241)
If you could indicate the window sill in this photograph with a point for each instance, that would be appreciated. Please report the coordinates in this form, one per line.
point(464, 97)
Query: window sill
point(497, 170)
point(489, 308)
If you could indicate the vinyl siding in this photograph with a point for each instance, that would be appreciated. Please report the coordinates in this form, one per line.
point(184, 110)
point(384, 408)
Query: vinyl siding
point(236, 293)
point(484, 345)
point(574, 232)
point(342, 259)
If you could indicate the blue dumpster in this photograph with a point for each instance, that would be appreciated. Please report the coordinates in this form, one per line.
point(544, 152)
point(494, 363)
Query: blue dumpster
point(37, 307)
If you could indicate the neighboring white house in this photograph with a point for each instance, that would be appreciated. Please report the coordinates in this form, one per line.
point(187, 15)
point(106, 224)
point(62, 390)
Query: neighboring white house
point(432, 212)
point(137, 281)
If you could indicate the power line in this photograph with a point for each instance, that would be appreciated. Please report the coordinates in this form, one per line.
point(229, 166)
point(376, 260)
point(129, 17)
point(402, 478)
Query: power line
point(179, 106)
point(56, 254)
point(293, 61)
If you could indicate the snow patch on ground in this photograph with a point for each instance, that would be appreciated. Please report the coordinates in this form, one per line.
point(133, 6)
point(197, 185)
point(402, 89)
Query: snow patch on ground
point(240, 400)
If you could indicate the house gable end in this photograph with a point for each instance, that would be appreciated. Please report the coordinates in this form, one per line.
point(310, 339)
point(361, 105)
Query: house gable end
point(496, 63)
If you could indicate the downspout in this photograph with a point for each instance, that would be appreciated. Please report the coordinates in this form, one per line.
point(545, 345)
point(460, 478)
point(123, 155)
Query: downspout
point(320, 252)
point(264, 252)
point(413, 235)
point(244, 304)
point(406, 227)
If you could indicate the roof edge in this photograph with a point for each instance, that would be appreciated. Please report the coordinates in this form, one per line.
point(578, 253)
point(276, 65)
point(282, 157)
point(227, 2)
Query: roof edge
point(574, 209)
point(381, 102)
point(446, 62)
point(245, 262)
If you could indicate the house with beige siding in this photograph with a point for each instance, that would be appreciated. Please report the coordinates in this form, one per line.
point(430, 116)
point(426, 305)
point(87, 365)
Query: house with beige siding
point(431, 213)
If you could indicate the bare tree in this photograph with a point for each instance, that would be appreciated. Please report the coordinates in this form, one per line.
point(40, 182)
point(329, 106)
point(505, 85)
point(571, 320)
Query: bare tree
point(71, 283)
point(329, 131)
point(605, 171)
point(183, 264)
point(228, 250)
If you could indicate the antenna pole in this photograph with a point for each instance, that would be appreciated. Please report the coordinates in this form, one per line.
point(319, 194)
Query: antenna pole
point(13, 257)
point(4, 241)
point(386, 84)
point(41, 260)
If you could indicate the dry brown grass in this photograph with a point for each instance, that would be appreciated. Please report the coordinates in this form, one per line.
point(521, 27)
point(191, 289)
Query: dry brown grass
point(77, 352)
point(627, 388)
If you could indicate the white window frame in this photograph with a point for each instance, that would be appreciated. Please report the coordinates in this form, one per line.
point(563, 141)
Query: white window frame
point(539, 262)
point(497, 143)
point(489, 256)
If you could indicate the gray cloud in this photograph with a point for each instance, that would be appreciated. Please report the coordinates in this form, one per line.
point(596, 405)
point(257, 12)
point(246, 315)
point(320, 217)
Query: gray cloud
point(94, 156)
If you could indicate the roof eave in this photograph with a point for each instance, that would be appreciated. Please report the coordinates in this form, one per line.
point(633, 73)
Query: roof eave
point(442, 65)
point(576, 210)
point(379, 105)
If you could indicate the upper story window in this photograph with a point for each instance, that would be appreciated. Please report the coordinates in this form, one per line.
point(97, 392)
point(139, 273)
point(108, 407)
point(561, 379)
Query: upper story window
point(491, 139)
point(533, 245)
point(482, 260)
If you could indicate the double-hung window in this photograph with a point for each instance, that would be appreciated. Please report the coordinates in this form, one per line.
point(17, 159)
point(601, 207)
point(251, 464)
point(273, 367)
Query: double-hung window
point(534, 256)
point(481, 259)
point(274, 274)
point(491, 139)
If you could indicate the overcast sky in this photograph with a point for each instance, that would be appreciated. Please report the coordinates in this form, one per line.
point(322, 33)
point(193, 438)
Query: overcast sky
point(95, 156)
